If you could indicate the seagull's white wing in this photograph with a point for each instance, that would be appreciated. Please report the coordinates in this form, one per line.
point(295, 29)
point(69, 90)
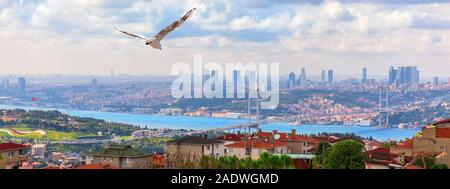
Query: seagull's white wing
point(132, 34)
point(174, 25)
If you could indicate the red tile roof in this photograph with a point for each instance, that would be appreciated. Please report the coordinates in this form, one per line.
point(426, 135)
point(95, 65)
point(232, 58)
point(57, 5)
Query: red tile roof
point(257, 143)
point(52, 167)
point(231, 137)
point(288, 137)
point(158, 160)
point(407, 144)
point(12, 146)
point(300, 164)
point(97, 166)
point(442, 122)
point(330, 139)
point(413, 167)
point(381, 154)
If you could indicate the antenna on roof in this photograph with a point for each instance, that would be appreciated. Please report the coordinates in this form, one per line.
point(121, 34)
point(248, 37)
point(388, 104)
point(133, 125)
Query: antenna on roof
point(276, 136)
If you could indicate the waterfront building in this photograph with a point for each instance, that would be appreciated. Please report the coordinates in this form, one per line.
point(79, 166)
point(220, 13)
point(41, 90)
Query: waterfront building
point(171, 111)
point(234, 115)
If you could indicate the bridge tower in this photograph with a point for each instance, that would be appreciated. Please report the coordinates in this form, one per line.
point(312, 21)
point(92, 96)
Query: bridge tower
point(383, 111)
point(253, 104)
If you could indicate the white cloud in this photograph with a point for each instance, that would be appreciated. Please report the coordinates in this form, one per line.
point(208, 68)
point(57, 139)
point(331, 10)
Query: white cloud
point(60, 33)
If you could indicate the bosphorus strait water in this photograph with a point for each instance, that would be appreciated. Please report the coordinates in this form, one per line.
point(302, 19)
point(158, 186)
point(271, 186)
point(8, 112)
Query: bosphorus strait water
point(198, 123)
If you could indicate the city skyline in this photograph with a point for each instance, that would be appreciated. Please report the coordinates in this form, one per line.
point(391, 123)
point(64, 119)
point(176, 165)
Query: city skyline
point(342, 35)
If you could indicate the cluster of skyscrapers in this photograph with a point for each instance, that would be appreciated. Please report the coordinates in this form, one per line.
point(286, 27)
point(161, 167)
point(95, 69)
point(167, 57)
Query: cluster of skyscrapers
point(400, 76)
point(403, 75)
point(21, 87)
point(302, 80)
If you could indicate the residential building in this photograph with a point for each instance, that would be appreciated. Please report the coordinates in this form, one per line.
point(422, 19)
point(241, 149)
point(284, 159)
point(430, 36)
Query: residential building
point(384, 158)
point(230, 139)
point(94, 166)
point(434, 139)
point(38, 150)
point(253, 147)
point(12, 155)
point(194, 147)
point(296, 144)
point(171, 111)
point(120, 156)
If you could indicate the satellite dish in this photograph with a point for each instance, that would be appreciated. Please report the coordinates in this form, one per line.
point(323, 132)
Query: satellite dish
point(276, 136)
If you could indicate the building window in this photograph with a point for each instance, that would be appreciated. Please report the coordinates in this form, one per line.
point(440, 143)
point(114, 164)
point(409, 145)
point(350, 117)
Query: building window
point(10, 154)
point(208, 147)
point(248, 151)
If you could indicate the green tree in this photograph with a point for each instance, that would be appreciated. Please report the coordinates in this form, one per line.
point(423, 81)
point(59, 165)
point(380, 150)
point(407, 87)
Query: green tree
point(424, 161)
point(439, 166)
point(346, 154)
point(322, 148)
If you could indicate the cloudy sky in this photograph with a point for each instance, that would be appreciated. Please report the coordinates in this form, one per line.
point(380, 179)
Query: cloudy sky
point(76, 36)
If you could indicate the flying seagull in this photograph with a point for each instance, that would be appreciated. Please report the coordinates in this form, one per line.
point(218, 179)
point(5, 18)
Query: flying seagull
point(155, 40)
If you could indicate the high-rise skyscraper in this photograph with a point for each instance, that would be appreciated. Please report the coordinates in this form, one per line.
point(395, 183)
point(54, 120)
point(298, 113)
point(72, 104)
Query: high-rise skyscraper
point(435, 82)
point(392, 75)
point(291, 80)
point(330, 77)
point(364, 75)
point(21, 86)
point(323, 76)
point(94, 83)
point(303, 81)
point(5, 84)
point(236, 77)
